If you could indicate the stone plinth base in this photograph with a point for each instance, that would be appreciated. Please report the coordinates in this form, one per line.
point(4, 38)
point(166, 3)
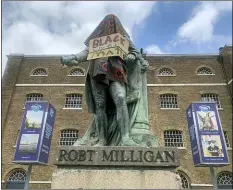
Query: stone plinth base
point(118, 178)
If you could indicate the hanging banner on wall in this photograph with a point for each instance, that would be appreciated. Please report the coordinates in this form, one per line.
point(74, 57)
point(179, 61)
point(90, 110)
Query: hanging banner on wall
point(207, 139)
point(36, 131)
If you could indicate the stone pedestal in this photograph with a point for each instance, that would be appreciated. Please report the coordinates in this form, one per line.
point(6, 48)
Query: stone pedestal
point(116, 168)
point(109, 178)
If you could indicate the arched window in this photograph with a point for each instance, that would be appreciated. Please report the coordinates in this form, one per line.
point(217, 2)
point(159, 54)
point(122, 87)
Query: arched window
point(168, 101)
point(73, 101)
point(39, 72)
point(204, 71)
point(16, 180)
point(68, 137)
point(77, 72)
point(211, 97)
point(173, 138)
point(224, 180)
point(166, 72)
point(34, 97)
point(184, 179)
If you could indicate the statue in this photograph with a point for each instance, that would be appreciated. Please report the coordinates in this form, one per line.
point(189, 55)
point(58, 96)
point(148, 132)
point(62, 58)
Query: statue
point(116, 92)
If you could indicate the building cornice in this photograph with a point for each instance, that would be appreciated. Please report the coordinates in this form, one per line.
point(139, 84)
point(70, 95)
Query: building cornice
point(149, 85)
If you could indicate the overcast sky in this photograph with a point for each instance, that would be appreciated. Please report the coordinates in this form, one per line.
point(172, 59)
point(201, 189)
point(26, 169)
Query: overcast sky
point(58, 27)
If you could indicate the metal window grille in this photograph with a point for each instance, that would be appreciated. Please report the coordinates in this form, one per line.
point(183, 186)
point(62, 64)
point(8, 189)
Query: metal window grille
point(18, 175)
point(73, 101)
point(68, 137)
point(165, 72)
point(225, 178)
point(211, 98)
point(173, 138)
point(204, 71)
point(34, 97)
point(40, 71)
point(184, 180)
point(226, 139)
point(168, 101)
point(77, 72)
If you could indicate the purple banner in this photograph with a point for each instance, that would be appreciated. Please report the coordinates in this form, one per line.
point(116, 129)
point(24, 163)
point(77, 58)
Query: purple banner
point(35, 134)
point(206, 135)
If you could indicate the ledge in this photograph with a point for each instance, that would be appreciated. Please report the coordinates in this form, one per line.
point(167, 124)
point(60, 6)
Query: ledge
point(170, 108)
point(72, 109)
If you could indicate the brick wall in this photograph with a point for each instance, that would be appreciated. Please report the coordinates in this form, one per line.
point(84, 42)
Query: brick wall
point(185, 68)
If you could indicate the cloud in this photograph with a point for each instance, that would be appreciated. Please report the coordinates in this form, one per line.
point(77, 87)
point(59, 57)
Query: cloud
point(199, 29)
point(57, 27)
point(153, 49)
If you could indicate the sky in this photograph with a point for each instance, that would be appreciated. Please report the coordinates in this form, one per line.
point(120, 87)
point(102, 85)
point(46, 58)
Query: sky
point(159, 27)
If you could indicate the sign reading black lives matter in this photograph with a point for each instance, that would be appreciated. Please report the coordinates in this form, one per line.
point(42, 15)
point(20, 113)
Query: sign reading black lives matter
point(117, 156)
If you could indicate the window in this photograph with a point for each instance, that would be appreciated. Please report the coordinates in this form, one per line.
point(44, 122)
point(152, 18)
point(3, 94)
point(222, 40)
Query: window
point(226, 139)
point(204, 71)
point(76, 72)
point(68, 137)
point(173, 138)
point(166, 72)
point(210, 97)
point(39, 72)
point(16, 180)
point(168, 101)
point(34, 97)
point(73, 101)
point(185, 180)
point(224, 180)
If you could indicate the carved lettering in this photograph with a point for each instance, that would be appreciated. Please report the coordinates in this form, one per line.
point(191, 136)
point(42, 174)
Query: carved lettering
point(92, 152)
point(95, 43)
point(159, 156)
point(105, 156)
point(172, 157)
point(62, 155)
point(82, 155)
point(73, 155)
point(150, 156)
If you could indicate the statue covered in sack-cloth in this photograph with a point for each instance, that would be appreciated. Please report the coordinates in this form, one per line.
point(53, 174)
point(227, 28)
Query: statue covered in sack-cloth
point(114, 91)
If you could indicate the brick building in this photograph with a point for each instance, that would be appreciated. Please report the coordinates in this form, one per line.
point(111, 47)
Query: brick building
point(174, 81)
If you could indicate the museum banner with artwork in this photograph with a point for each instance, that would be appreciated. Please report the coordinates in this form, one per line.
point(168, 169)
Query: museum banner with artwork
point(35, 134)
point(206, 135)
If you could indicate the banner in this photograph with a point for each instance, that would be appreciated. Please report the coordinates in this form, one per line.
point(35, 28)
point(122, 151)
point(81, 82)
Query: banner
point(34, 141)
point(207, 139)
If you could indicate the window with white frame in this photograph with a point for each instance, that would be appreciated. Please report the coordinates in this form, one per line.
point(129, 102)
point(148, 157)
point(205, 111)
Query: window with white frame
point(68, 137)
point(211, 97)
point(224, 180)
point(166, 72)
point(204, 71)
point(39, 72)
point(173, 138)
point(77, 72)
point(73, 101)
point(226, 139)
point(184, 180)
point(34, 97)
point(16, 180)
point(168, 101)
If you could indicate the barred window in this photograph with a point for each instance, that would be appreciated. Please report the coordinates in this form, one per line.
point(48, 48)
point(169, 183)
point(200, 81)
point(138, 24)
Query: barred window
point(76, 72)
point(34, 97)
point(68, 137)
point(39, 72)
point(226, 139)
point(204, 71)
point(173, 138)
point(210, 97)
point(165, 72)
point(184, 180)
point(73, 101)
point(225, 179)
point(168, 101)
point(18, 175)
